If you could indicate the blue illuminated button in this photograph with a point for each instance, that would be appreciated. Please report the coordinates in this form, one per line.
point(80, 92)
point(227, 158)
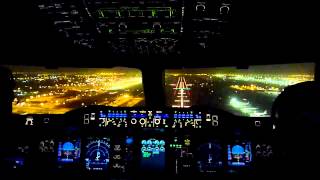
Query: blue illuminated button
point(162, 149)
point(129, 140)
point(143, 142)
point(156, 142)
point(162, 142)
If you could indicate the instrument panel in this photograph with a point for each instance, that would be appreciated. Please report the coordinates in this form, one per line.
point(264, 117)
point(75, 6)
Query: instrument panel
point(147, 119)
point(129, 143)
point(145, 28)
point(118, 117)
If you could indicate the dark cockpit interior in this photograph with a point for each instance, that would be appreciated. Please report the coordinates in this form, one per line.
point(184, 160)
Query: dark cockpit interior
point(154, 89)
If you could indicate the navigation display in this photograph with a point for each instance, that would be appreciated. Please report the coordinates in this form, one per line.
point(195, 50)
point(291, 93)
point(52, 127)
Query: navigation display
point(243, 92)
point(97, 154)
point(209, 157)
point(56, 91)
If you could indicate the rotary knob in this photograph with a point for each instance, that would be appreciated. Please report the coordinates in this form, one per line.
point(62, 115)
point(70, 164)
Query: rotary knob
point(157, 27)
point(122, 27)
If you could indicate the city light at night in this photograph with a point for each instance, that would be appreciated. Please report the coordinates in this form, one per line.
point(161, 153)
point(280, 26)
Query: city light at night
point(281, 80)
point(43, 91)
point(246, 108)
point(245, 92)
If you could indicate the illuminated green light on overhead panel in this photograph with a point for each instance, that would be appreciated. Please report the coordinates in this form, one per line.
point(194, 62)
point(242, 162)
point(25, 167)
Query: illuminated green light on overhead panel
point(119, 14)
point(147, 30)
point(153, 13)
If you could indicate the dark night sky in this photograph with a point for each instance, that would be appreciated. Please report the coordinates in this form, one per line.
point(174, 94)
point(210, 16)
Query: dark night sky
point(299, 68)
point(71, 70)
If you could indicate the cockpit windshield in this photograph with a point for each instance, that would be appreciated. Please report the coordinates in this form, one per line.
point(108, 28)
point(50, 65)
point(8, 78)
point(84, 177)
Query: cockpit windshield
point(55, 91)
point(244, 92)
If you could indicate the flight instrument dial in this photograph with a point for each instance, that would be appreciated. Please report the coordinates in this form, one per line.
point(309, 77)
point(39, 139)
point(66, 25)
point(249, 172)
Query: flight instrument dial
point(97, 154)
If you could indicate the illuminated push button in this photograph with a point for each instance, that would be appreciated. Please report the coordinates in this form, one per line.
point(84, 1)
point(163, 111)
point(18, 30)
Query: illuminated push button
point(86, 119)
point(215, 118)
point(215, 123)
point(156, 142)
point(156, 149)
point(224, 10)
point(122, 27)
point(142, 121)
point(162, 149)
point(257, 123)
point(200, 8)
point(157, 121)
point(133, 121)
point(162, 142)
point(143, 142)
point(29, 121)
point(93, 116)
point(46, 120)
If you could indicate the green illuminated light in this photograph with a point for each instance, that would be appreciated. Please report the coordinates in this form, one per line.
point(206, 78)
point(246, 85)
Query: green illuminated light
point(177, 146)
point(153, 13)
point(146, 154)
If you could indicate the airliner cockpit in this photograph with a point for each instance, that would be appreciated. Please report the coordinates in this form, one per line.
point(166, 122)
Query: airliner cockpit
point(124, 89)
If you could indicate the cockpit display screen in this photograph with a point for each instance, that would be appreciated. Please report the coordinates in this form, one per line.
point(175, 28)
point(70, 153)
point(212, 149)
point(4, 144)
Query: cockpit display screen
point(153, 154)
point(55, 91)
point(209, 157)
point(69, 151)
point(239, 154)
point(97, 154)
point(244, 92)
